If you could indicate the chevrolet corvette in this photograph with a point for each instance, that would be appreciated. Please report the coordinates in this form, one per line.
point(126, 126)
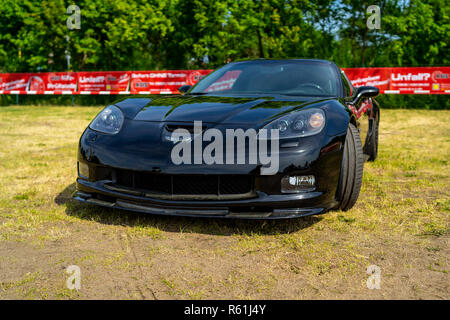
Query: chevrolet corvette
point(179, 154)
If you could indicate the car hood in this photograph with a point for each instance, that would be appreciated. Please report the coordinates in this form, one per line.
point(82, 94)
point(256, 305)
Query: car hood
point(214, 109)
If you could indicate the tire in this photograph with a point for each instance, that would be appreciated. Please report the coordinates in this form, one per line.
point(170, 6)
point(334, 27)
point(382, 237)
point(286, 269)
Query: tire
point(351, 170)
point(371, 145)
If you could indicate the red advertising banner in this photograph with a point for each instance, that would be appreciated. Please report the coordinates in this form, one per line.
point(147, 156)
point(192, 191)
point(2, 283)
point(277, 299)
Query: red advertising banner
point(420, 80)
point(376, 77)
point(412, 80)
point(103, 81)
point(14, 81)
point(155, 82)
point(58, 82)
point(39, 83)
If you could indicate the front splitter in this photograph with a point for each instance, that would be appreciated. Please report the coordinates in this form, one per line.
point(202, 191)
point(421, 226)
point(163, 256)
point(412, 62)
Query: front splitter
point(281, 213)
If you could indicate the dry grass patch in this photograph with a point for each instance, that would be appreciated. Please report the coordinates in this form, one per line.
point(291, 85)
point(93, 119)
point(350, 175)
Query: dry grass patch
point(400, 223)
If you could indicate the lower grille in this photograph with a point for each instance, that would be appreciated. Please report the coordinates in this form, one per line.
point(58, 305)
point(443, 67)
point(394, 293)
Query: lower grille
point(185, 186)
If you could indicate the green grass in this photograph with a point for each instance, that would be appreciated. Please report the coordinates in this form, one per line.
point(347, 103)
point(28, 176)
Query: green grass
point(400, 223)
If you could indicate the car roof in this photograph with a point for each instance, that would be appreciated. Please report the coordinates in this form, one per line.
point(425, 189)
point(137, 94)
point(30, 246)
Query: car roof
point(281, 60)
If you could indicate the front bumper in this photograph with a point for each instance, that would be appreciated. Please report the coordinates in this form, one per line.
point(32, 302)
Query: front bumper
point(320, 156)
point(263, 206)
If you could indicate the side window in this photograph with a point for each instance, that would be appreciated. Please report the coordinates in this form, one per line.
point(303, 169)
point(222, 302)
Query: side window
point(348, 88)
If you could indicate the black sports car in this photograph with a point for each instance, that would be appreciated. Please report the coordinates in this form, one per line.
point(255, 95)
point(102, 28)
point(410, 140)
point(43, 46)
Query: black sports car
point(206, 151)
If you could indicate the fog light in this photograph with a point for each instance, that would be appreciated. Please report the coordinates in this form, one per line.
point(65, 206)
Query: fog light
point(83, 170)
point(293, 184)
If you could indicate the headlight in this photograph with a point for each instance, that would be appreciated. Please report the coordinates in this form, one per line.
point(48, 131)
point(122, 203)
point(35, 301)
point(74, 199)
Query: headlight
point(299, 124)
point(110, 120)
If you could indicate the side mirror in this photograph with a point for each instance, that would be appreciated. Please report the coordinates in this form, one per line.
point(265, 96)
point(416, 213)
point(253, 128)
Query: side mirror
point(365, 92)
point(184, 89)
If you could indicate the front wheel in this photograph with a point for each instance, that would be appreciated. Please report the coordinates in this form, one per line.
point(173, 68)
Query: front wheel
point(351, 170)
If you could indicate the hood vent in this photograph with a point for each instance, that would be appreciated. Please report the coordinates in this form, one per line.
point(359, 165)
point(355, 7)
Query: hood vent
point(187, 126)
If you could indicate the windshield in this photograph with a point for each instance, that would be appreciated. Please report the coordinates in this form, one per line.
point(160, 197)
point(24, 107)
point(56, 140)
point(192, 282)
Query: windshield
point(288, 77)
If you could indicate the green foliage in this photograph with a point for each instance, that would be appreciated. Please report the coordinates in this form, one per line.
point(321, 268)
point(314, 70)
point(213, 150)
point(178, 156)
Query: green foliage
point(177, 34)
point(419, 101)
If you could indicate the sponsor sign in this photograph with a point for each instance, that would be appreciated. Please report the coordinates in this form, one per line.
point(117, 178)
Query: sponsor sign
point(103, 81)
point(54, 81)
point(426, 80)
point(155, 82)
point(14, 81)
point(376, 77)
point(420, 80)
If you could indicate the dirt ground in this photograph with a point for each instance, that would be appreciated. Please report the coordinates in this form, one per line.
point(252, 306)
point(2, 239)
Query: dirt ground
point(400, 224)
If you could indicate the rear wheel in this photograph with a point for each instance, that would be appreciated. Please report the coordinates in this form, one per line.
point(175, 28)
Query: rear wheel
point(371, 145)
point(351, 170)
